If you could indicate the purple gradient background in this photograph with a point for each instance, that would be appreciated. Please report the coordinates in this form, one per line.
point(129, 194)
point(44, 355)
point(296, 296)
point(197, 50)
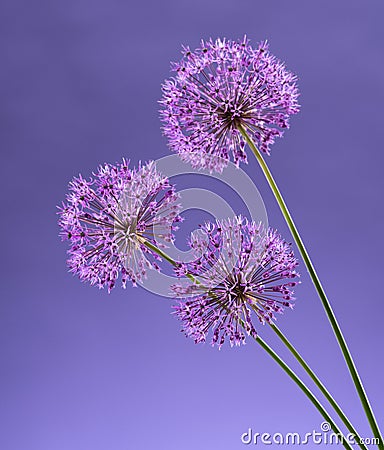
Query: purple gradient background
point(79, 85)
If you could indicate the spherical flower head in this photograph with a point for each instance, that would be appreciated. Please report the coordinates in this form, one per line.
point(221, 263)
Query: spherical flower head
point(219, 87)
point(109, 218)
point(244, 272)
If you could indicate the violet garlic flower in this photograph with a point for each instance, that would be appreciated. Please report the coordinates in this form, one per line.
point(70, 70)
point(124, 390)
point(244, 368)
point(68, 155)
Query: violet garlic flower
point(244, 272)
point(108, 219)
point(220, 86)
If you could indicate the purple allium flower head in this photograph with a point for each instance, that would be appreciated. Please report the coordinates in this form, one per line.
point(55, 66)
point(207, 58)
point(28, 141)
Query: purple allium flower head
point(218, 87)
point(244, 270)
point(108, 218)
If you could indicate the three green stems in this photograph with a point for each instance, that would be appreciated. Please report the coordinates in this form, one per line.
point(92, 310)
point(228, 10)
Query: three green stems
point(320, 290)
point(314, 400)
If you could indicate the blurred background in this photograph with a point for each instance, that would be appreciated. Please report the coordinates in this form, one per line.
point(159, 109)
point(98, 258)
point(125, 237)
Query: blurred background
point(79, 85)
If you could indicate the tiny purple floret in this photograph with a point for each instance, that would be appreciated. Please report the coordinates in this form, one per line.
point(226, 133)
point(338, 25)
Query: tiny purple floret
point(243, 271)
point(108, 219)
point(219, 87)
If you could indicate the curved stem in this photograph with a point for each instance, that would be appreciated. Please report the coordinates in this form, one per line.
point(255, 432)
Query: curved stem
point(159, 252)
point(323, 297)
point(319, 384)
point(166, 257)
point(304, 388)
point(285, 367)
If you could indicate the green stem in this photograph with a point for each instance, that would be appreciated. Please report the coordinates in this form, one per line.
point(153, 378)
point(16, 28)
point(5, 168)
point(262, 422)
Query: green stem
point(166, 257)
point(286, 368)
point(319, 384)
point(304, 388)
point(316, 281)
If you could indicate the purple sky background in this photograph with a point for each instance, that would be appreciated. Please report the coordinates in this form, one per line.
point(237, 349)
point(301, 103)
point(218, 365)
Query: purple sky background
point(79, 85)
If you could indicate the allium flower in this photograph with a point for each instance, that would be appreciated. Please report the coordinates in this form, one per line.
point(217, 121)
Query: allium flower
point(244, 271)
point(218, 87)
point(107, 220)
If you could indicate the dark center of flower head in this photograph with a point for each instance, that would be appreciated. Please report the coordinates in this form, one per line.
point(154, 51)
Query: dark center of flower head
point(221, 89)
point(231, 118)
point(110, 218)
point(239, 287)
point(253, 281)
point(126, 229)
point(239, 290)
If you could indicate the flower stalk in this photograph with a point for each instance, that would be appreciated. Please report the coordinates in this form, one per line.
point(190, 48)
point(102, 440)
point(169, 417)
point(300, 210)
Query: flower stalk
point(319, 384)
point(304, 388)
point(320, 290)
point(314, 400)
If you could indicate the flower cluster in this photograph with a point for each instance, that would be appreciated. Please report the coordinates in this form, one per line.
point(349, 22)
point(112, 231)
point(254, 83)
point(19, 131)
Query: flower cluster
point(117, 221)
point(243, 270)
point(109, 219)
point(220, 87)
